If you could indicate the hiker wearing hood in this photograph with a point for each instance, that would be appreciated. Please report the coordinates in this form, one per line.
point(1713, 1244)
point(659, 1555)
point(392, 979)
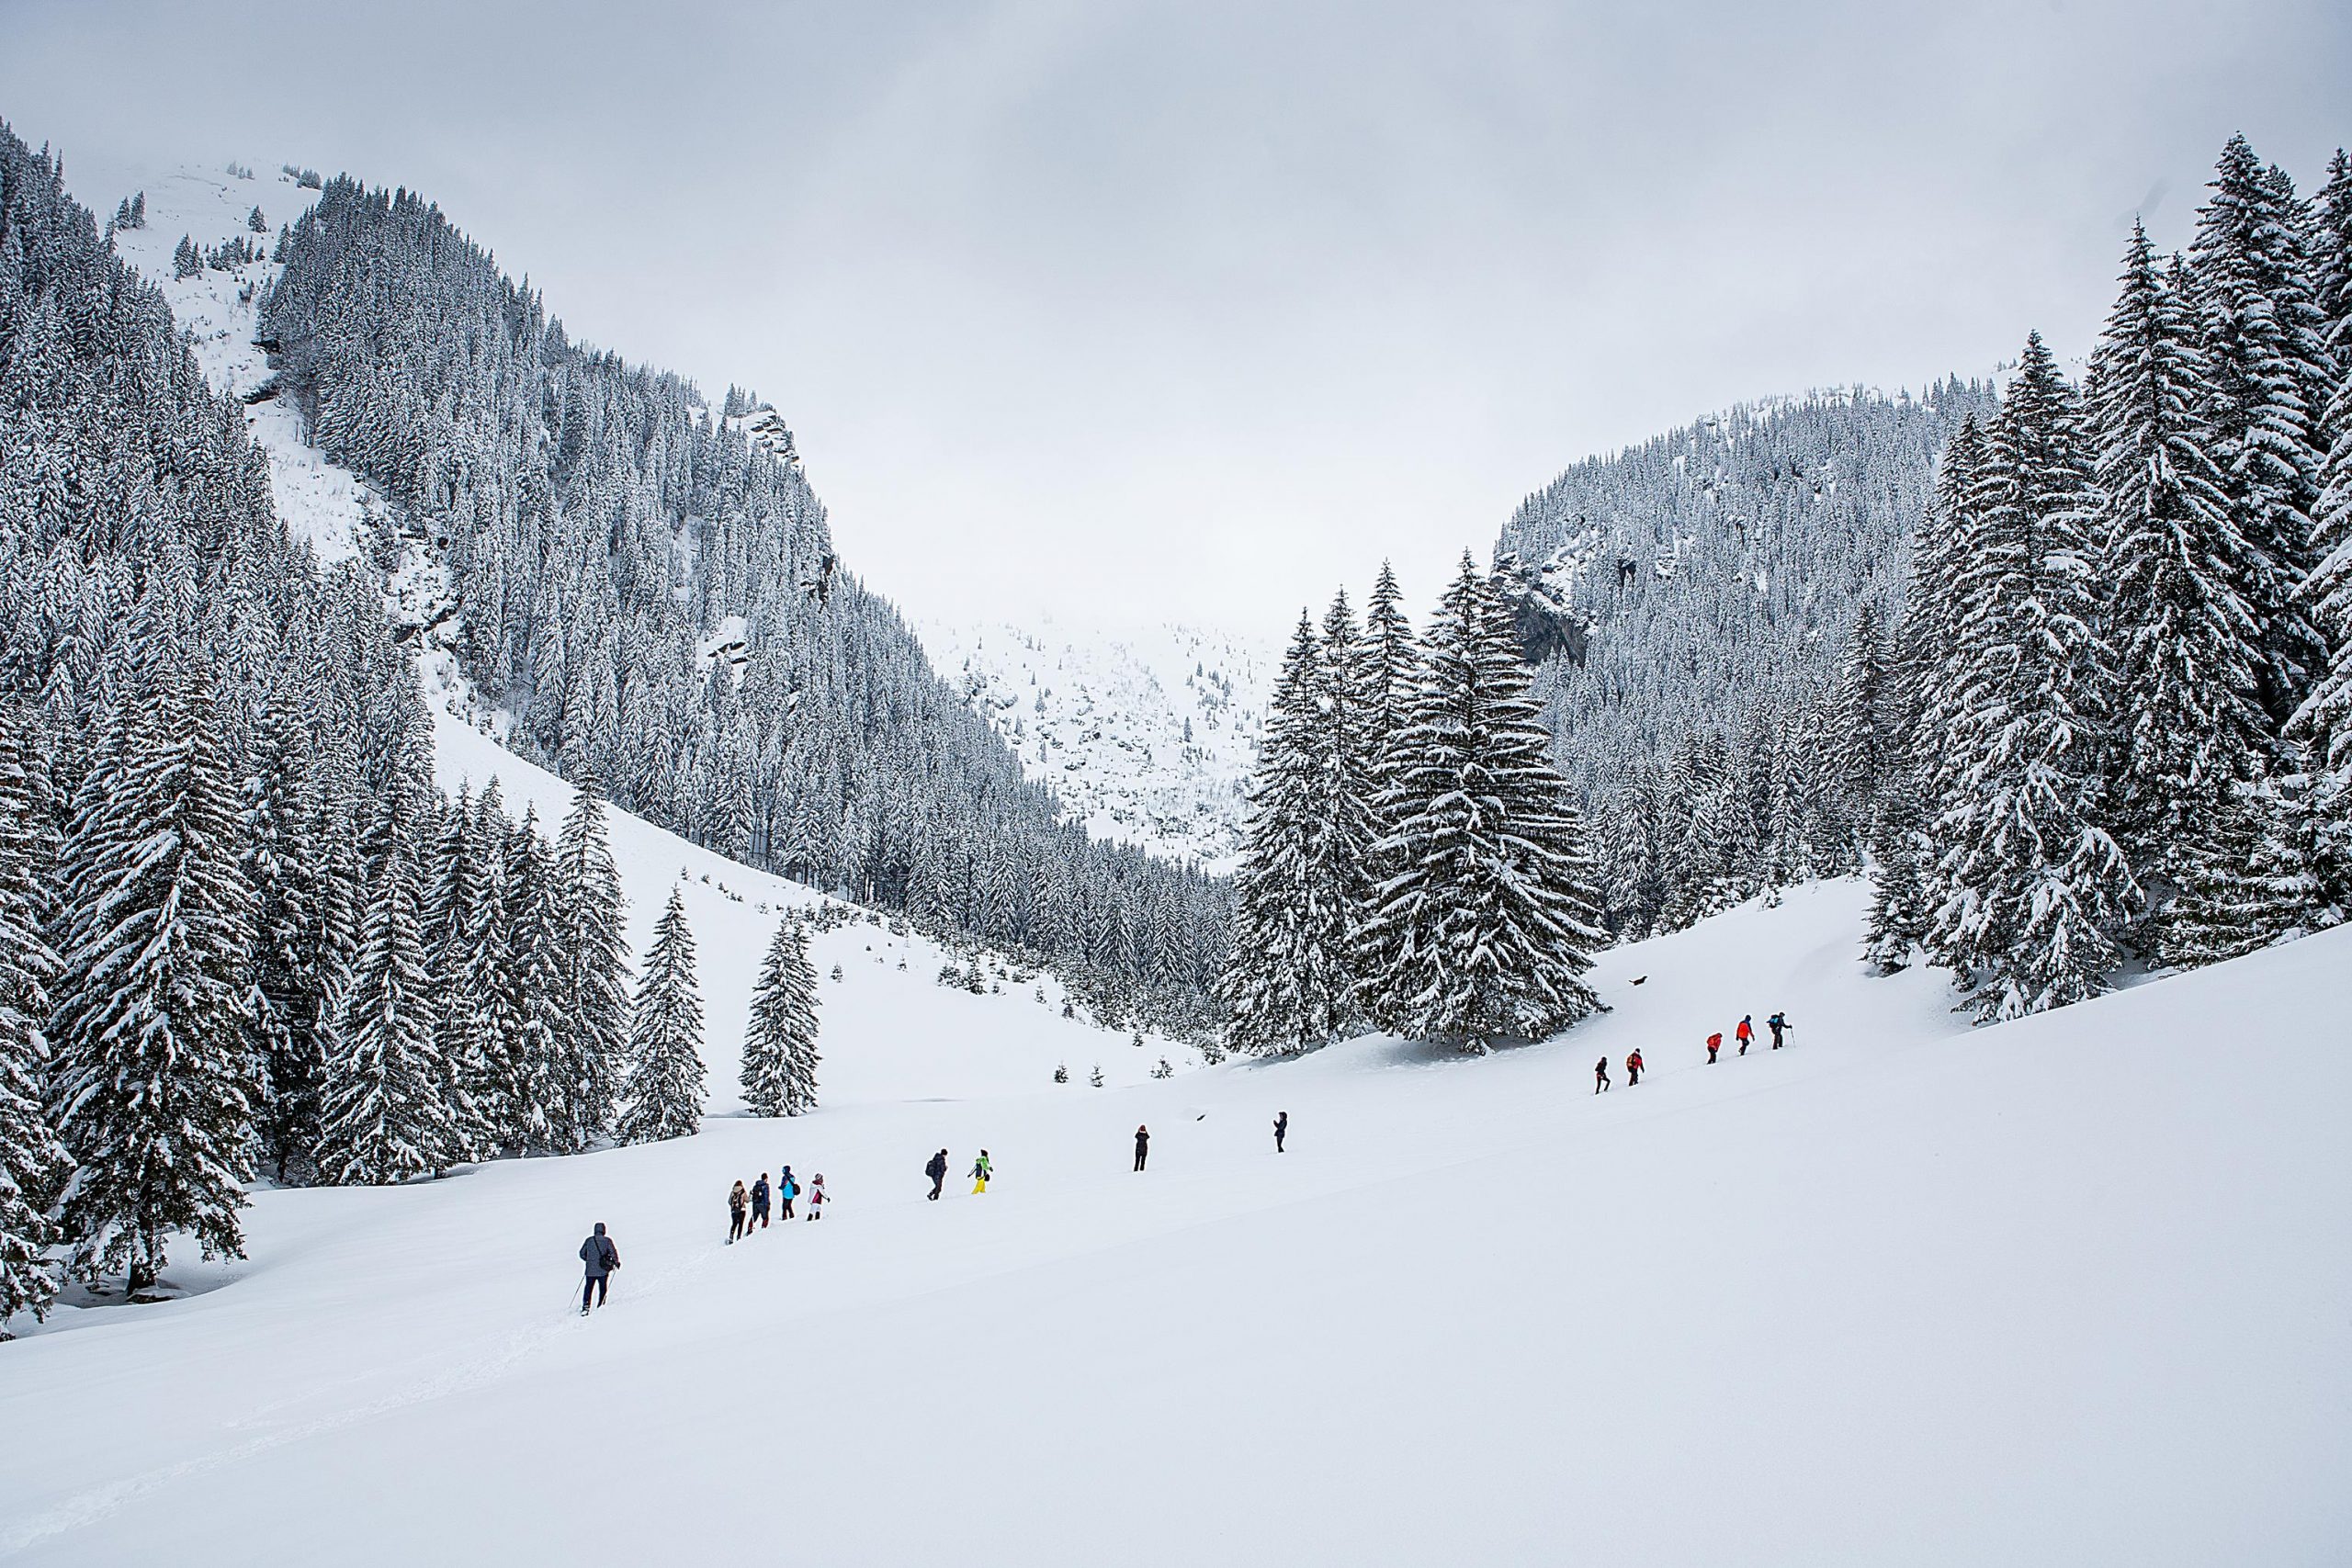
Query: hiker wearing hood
point(1143, 1145)
point(602, 1258)
point(937, 1171)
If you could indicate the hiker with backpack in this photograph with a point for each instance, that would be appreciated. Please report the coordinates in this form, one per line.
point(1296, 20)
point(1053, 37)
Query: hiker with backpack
point(981, 1171)
point(602, 1258)
point(1714, 1044)
point(737, 1201)
point(759, 1195)
point(1747, 1032)
point(937, 1170)
point(787, 1190)
point(1600, 1075)
point(817, 1196)
point(1633, 1068)
point(1777, 1023)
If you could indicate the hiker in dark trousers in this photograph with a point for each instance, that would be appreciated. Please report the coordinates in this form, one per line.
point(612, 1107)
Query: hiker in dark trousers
point(736, 1203)
point(1714, 1044)
point(602, 1258)
point(1633, 1070)
point(1747, 1033)
point(937, 1171)
point(1281, 1129)
point(1600, 1075)
point(1143, 1145)
point(787, 1190)
point(759, 1204)
point(1776, 1024)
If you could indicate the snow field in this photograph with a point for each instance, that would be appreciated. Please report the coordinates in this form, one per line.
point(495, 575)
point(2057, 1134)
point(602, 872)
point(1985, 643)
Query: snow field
point(2073, 1289)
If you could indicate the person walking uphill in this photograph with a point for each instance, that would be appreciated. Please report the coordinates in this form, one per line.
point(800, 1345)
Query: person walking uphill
point(759, 1204)
point(602, 1258)
point(1600, 1075)
point(1633, 1070)
point(1745, 1032)
point(736, 1203)
point(1777, 1023)
point(1281, 1129)
point(1714, 1044)
point(817, 1196)
point(937, 1171)
point(981, 1171)
point(787, 1190)
point(1143, 1145)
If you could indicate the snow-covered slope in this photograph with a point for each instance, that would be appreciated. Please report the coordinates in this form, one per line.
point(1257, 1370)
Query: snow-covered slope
point(890, 1031)
point(320, 501)
point(1148, 736)
point(2075, 1289)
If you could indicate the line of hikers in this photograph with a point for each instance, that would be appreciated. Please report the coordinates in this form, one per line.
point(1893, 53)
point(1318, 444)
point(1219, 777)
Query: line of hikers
point(751, 1208)
point(750, 1211)
point(1744, 1034)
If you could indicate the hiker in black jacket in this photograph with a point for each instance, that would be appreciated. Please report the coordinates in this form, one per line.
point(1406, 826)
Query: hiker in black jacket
point(602, 1258)
point(937, 1171)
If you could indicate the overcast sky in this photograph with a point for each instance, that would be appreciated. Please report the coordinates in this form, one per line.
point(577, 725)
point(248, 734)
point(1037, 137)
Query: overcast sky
point(1128, 311)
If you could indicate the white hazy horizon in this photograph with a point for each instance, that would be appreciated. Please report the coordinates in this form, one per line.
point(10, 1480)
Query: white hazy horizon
point(1129, 311)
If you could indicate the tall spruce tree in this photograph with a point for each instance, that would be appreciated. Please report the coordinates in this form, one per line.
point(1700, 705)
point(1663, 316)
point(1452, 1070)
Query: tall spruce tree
point(2035, 889)
point(595, 975)
point(1288, 985)
point(152, 1087)
point(2267, 380)
point(2323, 721)
point(287, 992)
point(780, 1042)
point(665, 1088)
point(2188, 719)
point(32, 1163)
point(387, 1116)
point(1488, 923)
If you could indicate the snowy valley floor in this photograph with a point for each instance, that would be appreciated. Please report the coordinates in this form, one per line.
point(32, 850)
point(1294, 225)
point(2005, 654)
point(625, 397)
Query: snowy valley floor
point(2074, 1290)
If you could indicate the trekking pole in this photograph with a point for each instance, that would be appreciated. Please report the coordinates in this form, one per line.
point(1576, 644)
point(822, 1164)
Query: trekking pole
point(583, 1288)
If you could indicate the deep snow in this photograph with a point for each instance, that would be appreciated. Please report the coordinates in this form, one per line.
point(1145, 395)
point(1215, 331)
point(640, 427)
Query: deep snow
point(2075, 1290)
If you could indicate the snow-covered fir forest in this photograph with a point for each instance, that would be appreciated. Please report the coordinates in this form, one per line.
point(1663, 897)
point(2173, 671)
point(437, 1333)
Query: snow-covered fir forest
point(2068, 667)
point(647, 585)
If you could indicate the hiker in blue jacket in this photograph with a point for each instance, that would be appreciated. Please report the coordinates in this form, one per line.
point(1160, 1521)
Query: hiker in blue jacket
point(602, 1258)
point(787, 1190)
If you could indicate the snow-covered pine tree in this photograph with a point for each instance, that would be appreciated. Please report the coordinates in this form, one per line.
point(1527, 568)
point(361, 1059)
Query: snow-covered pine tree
point(1348, 751)
point(387, 1116)
point(2324, 722)
point(1864, 747)
point(595, 984)
point(526, 1018)
point(780, 1042)
point(1288, 983)
point(1490, 919)
point(449, 926)
point(2037, 888)
point(285, 991)
point(1390, 674)
point(33, 1165)
point(2267, 378)
point(151, 1091)
point(665, 1087)
point(2188, 719)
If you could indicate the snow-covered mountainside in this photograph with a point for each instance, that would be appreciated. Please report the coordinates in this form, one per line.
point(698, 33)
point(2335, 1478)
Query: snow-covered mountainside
point(215, 307)
point(1148, 736)
point(946, 1035)
point(2070, 1289)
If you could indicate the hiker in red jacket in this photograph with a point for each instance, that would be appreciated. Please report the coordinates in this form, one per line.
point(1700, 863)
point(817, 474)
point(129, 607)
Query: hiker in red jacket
point(1633, 1070)
point(1746, 1033)
point(1714, 1044)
